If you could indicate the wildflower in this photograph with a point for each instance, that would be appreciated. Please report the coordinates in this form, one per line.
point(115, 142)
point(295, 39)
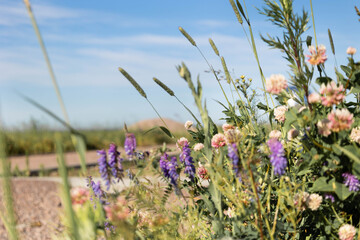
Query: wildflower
point(300, 200)
point(277, 157)
point(198, 147)
point(276, 83)
point(324, 127)
point(279, 113)
point(314, 201)
point(181, 143)
point(275, 134)
point(185, 157)
point(347, 232)
point(96, 188)
point(340, 120)
point(230, 212)
point(172, 170)
point(118, 211)
point(314, 98)
point(232, 136)
point(218, 140)
point(233, 155)
point(330, 197)
point(351, 181)
point(318, 55)
point(351, 50)
point(355, 135)
point(331, 94)
point(188, 125)
point(292, 133)
point(227, 127)
point(202, 172)
point(115, 162)
point(163, 164)
point(104, 168)
point(130, 145)
point(79, 195)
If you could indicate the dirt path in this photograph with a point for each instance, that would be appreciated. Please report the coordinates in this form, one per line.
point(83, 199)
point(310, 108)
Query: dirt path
point(48, 161)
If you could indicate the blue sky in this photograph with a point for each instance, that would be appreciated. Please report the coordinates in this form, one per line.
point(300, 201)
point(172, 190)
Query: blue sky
point(88, 40)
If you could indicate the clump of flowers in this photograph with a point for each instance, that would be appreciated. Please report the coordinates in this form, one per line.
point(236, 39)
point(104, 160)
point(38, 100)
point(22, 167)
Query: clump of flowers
point(351, 181)
point(314, 201)
point(117, 211)
point(198, 147)
point(172, 170)
point(277, 157)
point(324, 127)
point(79, 195)
point(355, 135)
point(188, 125)
point(351, 50)
point(130, 145)
point(275, 134)
point(314, 98)
point(331, 94)
point(185, 157)
point(218, 140)
point(279, 113)
point(347, 232)
point(340, 120)
point(181, 143)
point(318, 55)
point(276, 83)
point(202, 172)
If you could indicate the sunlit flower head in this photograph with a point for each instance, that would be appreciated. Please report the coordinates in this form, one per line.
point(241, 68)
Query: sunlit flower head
point(324, 127)
point(351, 50)
point(232, 136)
point(317, 55)
point(198, 147)
point(227, 127)
point(340, 119)
point(300, 200)
point(314, 201)
point(202, 172)
point(230, 212)
point(347, 232)
point(181, 143)
point(279, 113)
point(188, 125)
point(331, 94)
point(79, 195)
point(276, 83)
point(314, 98)
point(218, 140)
point(355, 135)
point(275, 134)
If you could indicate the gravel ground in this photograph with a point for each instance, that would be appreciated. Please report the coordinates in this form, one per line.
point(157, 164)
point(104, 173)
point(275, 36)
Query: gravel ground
point(37, 206)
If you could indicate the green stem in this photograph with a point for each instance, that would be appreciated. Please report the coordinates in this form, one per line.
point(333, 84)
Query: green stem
point(313, 20)
point(159, 116)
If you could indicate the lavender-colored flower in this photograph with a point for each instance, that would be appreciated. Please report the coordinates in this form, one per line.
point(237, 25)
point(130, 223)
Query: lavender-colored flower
point(185, 157)
point(163, 164)
point(130, 145)
point(233, 155)
point(351, 182)
point(330, 197)
point(104, 168)
point(98, 192)
point(277, 157)
point(171, 167)
point(115, 162)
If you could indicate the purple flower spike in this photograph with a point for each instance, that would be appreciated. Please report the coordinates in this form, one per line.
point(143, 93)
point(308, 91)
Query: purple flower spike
point(163, 165)
point(96, 188)
point(277, 157)
point(351, 182)
point(233, 155)
point(115, 162)
point(130, 145)
point(103, 168)
point(172, 171)
point(186, 158)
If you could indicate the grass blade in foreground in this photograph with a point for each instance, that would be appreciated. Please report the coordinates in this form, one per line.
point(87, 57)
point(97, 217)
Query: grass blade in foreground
point(9, 217)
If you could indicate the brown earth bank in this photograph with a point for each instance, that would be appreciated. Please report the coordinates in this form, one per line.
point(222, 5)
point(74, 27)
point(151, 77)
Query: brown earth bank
point(37, 205)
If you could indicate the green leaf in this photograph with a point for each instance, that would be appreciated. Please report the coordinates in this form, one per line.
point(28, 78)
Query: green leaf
point(350, 151)
point(166, 131)
point(262, 106)
point(321, 80)
point(321, 185)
